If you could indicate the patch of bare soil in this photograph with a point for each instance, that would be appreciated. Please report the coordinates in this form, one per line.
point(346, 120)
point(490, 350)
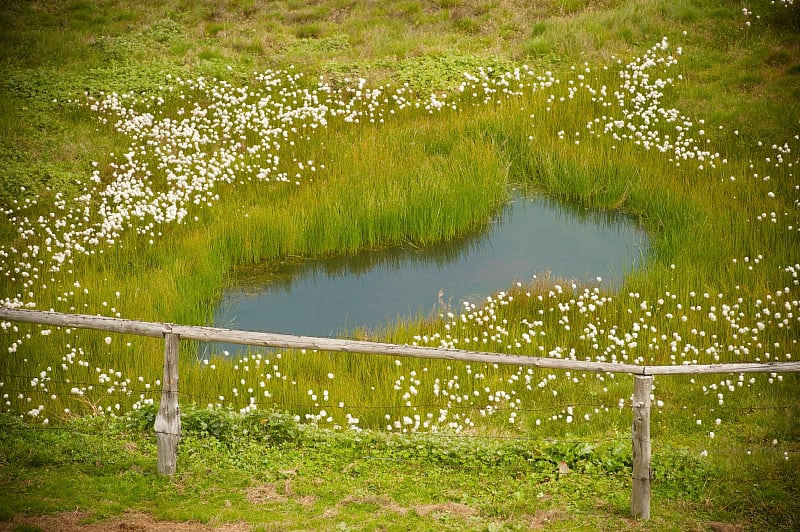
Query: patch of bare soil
point(129, 522)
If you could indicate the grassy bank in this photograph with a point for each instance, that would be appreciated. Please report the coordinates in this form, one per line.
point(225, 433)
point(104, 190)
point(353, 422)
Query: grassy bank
point(148, 153)
point(267, 473)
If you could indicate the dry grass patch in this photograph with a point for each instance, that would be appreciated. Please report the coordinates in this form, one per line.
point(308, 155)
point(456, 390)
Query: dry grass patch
point(544, 518)
point(724, 527)
point(382, 501)
point(274, 492)
point(448, 508)
point(268, 492)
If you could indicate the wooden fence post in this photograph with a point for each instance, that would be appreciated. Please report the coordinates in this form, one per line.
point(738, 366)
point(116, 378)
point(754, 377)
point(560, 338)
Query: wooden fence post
point(168, 421)
point(640, 499)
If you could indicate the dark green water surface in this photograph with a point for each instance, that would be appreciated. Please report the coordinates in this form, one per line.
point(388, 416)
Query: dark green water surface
point(337, 295)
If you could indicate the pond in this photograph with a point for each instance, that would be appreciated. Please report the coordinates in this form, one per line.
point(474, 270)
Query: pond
point(335, 296)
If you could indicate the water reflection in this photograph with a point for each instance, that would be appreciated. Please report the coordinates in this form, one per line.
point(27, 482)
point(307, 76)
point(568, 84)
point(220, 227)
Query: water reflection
point(336, 295)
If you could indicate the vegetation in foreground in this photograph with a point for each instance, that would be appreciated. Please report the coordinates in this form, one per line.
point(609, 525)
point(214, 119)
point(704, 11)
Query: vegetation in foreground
point(266, 472)
point(695, 136)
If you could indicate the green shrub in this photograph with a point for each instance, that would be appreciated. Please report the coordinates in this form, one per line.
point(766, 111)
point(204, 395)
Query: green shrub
point(272, 427)
point(143, 418)
point(216, 422)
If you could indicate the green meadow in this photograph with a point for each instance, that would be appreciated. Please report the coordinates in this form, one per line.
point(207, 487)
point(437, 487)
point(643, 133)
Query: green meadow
point(150, 152)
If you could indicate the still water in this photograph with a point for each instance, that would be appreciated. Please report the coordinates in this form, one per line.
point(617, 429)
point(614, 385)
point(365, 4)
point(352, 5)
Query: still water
point(337, 295)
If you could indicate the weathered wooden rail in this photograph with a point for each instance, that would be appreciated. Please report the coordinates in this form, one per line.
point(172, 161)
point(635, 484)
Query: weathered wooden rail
point(168, 427)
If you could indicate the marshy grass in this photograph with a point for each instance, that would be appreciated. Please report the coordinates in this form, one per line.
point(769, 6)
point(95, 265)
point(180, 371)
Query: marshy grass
point(613, 119)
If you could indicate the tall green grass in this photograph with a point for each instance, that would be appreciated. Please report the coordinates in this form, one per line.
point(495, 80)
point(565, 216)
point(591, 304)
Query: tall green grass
point(416, 180)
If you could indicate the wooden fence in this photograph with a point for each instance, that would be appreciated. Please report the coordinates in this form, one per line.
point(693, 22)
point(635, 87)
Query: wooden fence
point(168, 424)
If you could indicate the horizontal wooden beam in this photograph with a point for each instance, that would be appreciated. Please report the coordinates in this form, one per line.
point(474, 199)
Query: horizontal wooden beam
point(84, 321)
point(288, 341)
point(211, 334)
point(727, 367)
